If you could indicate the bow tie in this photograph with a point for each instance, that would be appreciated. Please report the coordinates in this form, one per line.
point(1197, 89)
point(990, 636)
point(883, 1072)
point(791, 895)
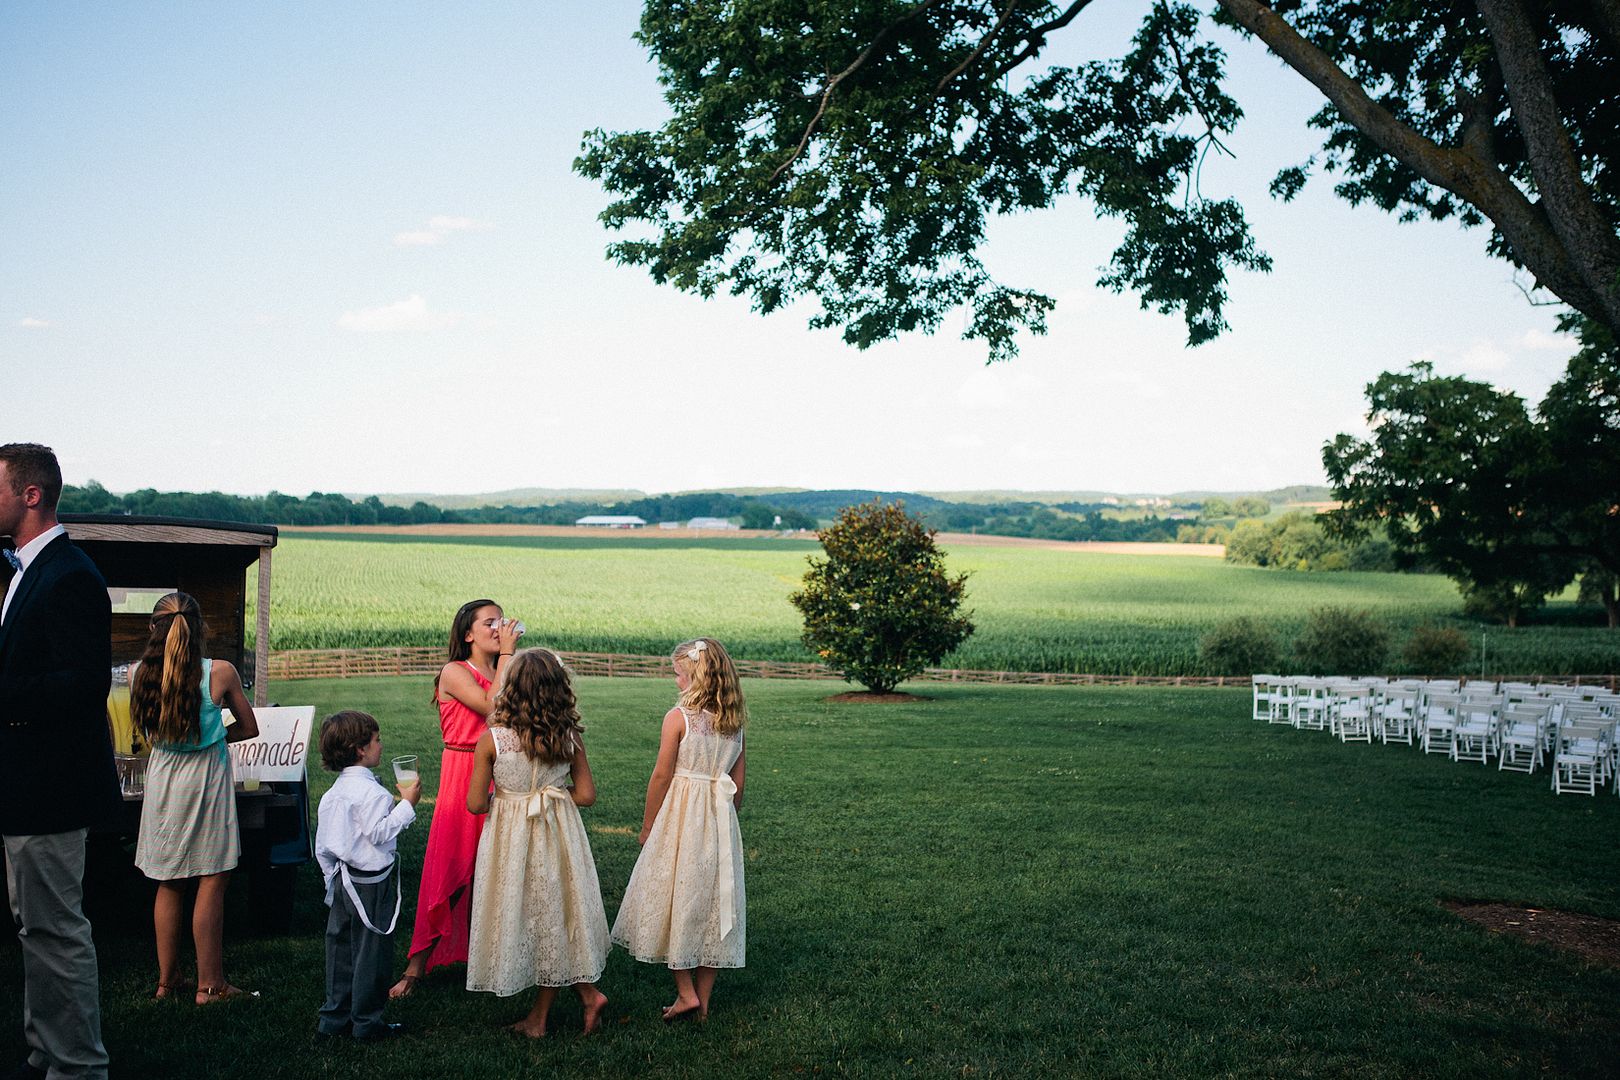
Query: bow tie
point(11, 557)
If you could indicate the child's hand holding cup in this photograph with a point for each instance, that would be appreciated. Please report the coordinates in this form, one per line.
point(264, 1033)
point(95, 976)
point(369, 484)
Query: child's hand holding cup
point(408, 779)
point(508, 632)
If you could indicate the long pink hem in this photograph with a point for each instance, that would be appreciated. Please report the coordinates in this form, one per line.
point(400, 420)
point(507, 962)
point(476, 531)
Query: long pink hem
point(447, 868)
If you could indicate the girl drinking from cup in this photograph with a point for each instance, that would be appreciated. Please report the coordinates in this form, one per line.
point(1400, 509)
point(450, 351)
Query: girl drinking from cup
point(481, 648)
point(685, 906)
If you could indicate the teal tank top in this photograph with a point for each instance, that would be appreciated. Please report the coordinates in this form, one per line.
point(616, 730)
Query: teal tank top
point(210, 725)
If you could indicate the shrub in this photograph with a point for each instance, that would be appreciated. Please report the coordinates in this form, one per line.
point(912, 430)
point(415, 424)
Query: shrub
point(1342, 641)
point(1297, 541)
point(1436, 650)
point(1240, 646)
point(880, 607)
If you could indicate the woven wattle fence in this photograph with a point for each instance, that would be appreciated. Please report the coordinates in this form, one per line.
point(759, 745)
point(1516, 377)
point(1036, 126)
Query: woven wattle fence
point(427, 660)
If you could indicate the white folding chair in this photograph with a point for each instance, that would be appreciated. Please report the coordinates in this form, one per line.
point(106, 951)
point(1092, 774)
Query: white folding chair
point(1474, 737)
point(1439, 722)
point(1580, 754)
point(1310, 705)
point(1352, 714)
point(1524, 734)
point(1262, 696)
point(1282, 700)
point(1397, 715)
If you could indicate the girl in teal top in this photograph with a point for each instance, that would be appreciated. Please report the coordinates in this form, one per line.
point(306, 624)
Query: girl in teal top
point(189, 838)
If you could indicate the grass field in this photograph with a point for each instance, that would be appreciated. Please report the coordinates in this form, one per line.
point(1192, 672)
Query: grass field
point(1037, 609)
point(1000, 882)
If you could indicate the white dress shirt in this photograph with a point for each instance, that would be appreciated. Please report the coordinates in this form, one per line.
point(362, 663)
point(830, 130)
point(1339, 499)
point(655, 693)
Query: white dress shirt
point(359, 823)
point(25, 555)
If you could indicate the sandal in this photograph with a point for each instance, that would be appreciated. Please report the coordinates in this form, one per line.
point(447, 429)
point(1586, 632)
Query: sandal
point(408, 982)
point(172, 991)
point(209, 995)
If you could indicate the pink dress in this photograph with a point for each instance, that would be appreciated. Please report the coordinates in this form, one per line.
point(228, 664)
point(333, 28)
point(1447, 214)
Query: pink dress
point(443, 903)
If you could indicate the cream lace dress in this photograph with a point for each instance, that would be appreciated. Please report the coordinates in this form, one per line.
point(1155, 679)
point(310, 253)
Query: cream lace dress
point(537, 917)
point(685, 905)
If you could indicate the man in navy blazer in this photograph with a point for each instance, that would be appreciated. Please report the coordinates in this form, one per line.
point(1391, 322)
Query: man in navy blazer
point(56, 766)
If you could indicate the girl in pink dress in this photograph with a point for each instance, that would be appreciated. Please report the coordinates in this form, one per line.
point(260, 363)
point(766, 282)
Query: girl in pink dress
point(481, 647)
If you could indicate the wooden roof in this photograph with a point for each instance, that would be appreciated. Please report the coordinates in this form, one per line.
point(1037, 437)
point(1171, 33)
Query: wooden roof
point(120, 528)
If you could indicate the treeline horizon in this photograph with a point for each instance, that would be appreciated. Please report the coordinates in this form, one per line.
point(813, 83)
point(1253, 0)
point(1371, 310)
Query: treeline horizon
point(786, 510)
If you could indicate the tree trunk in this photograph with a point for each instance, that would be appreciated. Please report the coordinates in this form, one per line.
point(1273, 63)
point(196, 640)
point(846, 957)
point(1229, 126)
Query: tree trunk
point(1575, 217)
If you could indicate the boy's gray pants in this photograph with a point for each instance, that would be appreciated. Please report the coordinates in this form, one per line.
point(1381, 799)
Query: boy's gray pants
point(359, 962)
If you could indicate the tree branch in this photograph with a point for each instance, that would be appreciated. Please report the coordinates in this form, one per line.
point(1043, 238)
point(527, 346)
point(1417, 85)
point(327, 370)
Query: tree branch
point(1587, 237)
point(1006, 12)
point(1523, 224)
point(832, 84)
point(1037, 36)
point(1197, 104)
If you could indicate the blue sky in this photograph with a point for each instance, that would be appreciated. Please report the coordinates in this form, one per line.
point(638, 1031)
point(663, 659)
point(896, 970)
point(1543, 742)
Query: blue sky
point(340, 247)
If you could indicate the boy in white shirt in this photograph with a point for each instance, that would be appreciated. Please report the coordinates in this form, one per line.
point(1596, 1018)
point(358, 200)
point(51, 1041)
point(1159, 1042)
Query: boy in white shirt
point(354, 844)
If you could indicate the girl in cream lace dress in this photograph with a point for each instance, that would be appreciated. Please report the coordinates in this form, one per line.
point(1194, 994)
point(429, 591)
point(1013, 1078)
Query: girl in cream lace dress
point(537, 915)
point(685, 905)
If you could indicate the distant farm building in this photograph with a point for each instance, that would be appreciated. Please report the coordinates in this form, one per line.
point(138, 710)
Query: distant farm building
point(709, 523)
point(611, 521)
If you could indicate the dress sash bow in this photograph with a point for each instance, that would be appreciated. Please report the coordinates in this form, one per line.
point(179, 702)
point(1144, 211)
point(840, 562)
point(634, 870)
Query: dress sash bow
point(725, 790)
point(539, 800)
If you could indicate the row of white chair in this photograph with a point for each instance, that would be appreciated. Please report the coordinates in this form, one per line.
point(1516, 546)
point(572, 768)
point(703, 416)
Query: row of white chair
point(1522, 725)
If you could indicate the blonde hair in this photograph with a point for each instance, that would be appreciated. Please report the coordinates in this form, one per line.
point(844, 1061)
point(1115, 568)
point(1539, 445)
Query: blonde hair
point(712, 685)
point(165, 697)
point(536, 700)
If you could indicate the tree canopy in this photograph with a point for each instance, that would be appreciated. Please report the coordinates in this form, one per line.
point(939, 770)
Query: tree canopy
point(852, 151)
point(1463, 477)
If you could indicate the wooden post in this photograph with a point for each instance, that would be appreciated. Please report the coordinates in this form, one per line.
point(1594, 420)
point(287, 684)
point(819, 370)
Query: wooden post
point(261, 634)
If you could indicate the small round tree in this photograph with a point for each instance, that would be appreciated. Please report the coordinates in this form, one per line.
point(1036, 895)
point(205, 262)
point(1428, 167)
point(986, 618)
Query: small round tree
point(880, 607)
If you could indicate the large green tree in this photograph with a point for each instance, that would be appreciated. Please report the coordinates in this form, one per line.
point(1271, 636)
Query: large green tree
point(881, 607)
point(1463, 477)
point(852, 151)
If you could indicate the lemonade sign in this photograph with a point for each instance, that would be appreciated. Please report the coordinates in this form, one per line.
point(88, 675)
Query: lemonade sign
point(281, 749)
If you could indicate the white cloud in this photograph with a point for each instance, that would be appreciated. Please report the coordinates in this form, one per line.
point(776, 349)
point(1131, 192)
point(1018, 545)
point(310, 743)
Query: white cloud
point(402, 316)
point(28, 322)
point(439, 229)
point(1540, 339)
point(1480, 357)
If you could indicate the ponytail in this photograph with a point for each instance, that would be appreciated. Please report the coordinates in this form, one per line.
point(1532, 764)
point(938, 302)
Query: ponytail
point(165, 697)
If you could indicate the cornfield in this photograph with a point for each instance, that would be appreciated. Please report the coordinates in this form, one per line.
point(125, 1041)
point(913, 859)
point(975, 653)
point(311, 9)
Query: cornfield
point(1035, 609)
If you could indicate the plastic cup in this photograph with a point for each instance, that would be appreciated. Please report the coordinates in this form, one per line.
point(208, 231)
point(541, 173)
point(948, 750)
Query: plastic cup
point(405, 769)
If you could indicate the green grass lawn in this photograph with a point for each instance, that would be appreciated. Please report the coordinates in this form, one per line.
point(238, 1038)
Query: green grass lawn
point(1002, 881)
point(1036, 609)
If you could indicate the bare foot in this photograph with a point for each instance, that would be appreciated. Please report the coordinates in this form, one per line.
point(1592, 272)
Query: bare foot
point(681, 1009)
point(593, 1012)
point(405, 987)
point(529, 1028)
